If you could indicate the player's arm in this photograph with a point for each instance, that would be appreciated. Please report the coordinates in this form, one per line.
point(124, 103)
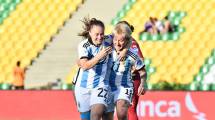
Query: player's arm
point(86, 63)
point(143, 76)
point(140, 67)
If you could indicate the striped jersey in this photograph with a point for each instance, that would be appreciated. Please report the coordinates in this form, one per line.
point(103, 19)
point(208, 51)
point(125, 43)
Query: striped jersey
point(94, 76)
point(120, 74)
point(135, 48)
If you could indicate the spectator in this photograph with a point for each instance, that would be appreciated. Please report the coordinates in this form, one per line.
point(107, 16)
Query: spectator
point(167, 25)
point(149, 27)
point(19, 76)
point(159, 26)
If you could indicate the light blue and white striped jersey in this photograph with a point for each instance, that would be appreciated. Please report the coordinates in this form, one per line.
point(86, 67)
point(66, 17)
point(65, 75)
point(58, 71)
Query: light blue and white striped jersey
point(94, 76)
point(120, 74)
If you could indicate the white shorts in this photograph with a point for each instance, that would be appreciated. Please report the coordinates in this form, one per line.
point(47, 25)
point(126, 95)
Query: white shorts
point(85, 97)
point(121, 93)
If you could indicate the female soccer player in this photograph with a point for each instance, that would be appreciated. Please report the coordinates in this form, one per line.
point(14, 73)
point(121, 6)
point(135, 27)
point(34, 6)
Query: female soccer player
point(121, 72)
point(132, 113)
point(91, 87)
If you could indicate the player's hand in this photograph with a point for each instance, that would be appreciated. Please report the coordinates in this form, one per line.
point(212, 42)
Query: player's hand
point(104, 52)
point(122, 55)
point(141, 90)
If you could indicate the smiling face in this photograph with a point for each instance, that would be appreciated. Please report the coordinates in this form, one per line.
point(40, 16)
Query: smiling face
point(122, 34)
point(97, 34)
point(119, 42)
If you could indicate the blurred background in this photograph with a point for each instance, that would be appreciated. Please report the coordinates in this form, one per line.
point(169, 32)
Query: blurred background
point(42, 35)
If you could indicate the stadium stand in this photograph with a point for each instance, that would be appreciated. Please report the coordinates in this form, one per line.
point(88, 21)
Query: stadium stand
point(26, 27)
point(186, 56)
point(186, 59)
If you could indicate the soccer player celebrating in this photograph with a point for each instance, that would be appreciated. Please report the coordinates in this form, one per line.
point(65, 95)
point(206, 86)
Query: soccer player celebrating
point(91, 87)
point(121, 73)
point(132, 113)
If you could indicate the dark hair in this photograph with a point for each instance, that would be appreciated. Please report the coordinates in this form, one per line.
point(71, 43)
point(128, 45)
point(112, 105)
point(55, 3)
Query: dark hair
point(130, 26)
point(18, 63)
point(88, 23)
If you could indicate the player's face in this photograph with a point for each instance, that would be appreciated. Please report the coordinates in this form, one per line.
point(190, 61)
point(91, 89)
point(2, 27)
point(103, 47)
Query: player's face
point(97, 34)
point(119, 42)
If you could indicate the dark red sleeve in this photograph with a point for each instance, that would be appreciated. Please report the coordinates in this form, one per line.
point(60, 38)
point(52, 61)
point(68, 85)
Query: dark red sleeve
point(138, 47)
point(139, 51)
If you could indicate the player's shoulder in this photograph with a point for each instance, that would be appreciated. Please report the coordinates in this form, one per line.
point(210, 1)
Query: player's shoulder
point(108, 37)
point(84, 44)
point(108, 40)
point(132, 55)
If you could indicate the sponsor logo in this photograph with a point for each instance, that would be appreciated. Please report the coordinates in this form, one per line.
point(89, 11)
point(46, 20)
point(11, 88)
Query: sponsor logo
point(161, 108)
point(193, 109)
point(171, 108)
